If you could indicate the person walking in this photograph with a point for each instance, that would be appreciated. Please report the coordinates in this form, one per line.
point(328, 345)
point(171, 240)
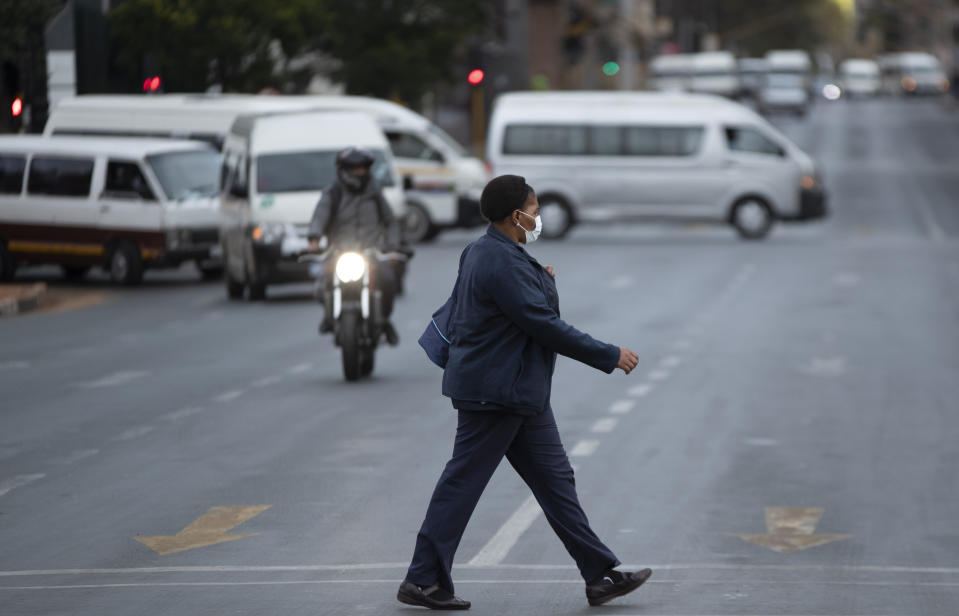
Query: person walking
point(505, 332)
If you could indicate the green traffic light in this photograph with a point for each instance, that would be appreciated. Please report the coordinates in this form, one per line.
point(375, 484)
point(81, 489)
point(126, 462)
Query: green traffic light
point(610, 68)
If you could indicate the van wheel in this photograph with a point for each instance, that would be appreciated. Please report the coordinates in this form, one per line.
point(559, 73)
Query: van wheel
point(210, 272)
point(257, 291)
point(419, 227)
point(7, 266)
point(752, 217)
point(557, 215)
point(126, 265)
point(75, 273)
point(234, 289)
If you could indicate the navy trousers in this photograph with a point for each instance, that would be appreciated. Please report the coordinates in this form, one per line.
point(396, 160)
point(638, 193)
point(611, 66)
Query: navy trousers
point(533, 447)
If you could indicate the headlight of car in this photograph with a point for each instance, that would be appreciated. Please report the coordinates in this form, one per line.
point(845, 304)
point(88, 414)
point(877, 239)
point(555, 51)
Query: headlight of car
point(350, 267)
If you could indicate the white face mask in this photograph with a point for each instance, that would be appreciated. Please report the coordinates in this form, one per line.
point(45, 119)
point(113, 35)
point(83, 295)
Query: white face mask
point(532, 236)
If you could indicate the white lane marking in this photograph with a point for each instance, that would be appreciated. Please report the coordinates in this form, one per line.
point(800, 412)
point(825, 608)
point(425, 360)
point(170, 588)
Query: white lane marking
point(671, 361)
point(18, 480)
point(640, 390)
point(621, 407)
point(762, 442)
point(568, 581)
point(228, 396)
point(184, 412)
point(621, 282)
point(300, 368)
point(584, 448)
point(604, 425)
point(267, 381)
point(14, 365)
point(502, 566)
point(76, 456)
point(509, 533)
point(658, 375)
point(825, 366)
point(117, 378)
point(926, 215)
point(133, 433)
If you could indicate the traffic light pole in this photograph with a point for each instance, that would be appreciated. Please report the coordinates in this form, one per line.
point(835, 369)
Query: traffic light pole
point(477, 102)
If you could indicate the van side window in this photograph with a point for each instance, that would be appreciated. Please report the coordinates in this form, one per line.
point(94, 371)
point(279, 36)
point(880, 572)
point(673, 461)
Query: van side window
point(545, 140)
point(663, 140)
point(67, 177)
point(743, 139)
point(606, 140)
point(405, 145)
point(11, 174)
point(126, 181)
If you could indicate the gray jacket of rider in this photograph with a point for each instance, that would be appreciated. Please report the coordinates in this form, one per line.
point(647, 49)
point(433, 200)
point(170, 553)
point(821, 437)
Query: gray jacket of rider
point(359, 219)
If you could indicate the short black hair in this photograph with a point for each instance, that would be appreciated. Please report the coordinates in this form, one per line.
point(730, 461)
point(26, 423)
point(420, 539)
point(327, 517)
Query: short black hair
point(502, 195)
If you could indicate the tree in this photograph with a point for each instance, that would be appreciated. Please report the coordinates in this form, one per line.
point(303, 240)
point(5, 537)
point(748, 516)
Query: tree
point(399, 49)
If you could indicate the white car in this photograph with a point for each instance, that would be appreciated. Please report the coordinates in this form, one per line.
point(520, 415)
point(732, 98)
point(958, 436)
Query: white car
point(607, 156)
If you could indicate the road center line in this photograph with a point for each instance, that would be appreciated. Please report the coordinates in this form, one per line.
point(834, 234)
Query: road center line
point(184, 412)
point(6, 485)
point(640, 390)
point(76, 456)
point(228, 396)
point(671, 361)
point(13, 365)
point(132, 433)
point(658, 375)
point(499, 545)
point(604, 425)
point(300, 368)
point(621, 407)
point(267, 381)
point(115, 379)
point(584, 448)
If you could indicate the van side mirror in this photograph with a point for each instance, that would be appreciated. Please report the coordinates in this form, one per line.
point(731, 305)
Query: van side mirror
point(407, 182)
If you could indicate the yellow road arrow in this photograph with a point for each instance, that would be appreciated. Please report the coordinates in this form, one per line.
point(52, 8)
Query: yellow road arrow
point(209, 529)
point(791, 528)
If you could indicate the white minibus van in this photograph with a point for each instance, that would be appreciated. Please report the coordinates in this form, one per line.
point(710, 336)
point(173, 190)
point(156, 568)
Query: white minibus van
point(912, 73)
point(602, 156)
point(859, 77)
point(122, 204)
point(670, 73)
point(715, 72)
point(445, 181)
point(275, 167)
point(788, 82)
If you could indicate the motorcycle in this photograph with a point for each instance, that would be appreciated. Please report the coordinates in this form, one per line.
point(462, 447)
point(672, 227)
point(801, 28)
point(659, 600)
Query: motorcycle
point(353, 303)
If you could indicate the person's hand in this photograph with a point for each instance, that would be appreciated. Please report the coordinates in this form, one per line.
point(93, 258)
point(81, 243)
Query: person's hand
point(627, 360)
point(549, 270)
point(314, 244)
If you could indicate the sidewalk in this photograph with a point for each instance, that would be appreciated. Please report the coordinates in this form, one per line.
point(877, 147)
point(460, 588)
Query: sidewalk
point(18, 298)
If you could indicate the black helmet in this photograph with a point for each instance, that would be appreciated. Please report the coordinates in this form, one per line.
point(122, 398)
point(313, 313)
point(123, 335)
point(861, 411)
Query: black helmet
point(347, 161)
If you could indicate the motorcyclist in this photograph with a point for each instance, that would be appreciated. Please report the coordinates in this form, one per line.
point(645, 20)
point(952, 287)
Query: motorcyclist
point(353, 214)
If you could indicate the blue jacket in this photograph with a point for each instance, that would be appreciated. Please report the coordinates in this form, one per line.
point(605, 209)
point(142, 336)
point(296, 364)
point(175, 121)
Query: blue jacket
point(505, 330)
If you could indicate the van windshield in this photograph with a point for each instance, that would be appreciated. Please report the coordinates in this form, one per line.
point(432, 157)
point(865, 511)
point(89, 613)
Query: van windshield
point(312, 170)
point(191, 173)
point(453, 144)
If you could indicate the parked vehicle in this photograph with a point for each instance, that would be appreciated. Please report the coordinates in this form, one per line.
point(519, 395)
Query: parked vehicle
point(445, 181)
point(752, 74)
point(788, 81)
point(125, 205)
point(715, 72)
point(859, 77)
point(912, 73)
point(356, 304)
point(671, 73)
point(275, 167)
point(607, 156)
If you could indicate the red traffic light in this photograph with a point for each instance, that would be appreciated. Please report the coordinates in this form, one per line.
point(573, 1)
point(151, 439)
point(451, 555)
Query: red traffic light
point(475, 77)
point(151, 84)
point(16, 107)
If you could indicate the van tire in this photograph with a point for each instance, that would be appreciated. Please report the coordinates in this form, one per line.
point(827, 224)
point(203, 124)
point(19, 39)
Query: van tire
point(558, 217)
point(125, 264)
point(210, 272)
point(71, 272)
point(752, 217)
point(257, 291)
point(234, 289)
point(418, 225)
point(7, 265)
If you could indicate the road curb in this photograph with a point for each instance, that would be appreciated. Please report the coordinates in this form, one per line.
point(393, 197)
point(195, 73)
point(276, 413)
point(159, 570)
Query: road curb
point(19, 298)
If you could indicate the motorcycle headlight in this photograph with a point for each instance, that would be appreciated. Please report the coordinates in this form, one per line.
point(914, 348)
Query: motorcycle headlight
point(350, 267)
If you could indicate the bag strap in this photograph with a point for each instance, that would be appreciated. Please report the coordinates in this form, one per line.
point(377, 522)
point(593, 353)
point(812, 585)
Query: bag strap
point(456, 286)
point(336, 195)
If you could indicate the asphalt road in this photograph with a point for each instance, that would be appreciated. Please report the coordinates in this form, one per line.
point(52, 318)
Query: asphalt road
point(814, 371)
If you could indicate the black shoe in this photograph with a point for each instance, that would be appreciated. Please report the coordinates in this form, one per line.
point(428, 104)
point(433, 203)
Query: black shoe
point(389, 331)
point(615, 584)
point(326, 325)
point(432, 597)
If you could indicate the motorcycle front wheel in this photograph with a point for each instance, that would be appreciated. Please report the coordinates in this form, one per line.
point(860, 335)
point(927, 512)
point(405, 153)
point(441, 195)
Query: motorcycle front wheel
point(350, 346)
